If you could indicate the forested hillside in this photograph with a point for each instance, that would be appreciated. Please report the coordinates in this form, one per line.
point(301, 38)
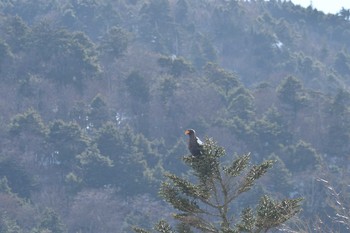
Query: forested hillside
point(96, 95)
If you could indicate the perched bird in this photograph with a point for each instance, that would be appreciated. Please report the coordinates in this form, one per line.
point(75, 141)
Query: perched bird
point(195, 145)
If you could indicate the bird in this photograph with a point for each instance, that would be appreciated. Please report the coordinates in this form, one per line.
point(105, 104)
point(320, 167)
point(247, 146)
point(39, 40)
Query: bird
point(195, 145)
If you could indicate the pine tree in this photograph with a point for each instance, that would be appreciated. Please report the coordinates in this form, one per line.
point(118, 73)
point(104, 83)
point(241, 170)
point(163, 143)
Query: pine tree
point(207, 204)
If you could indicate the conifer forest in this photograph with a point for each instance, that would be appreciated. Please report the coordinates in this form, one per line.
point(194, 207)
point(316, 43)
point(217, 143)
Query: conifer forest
point(96, 95)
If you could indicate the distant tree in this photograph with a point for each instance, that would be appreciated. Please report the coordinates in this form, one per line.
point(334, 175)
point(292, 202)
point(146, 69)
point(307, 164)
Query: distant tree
point(345, 13)
point(85, 11)
point(342, 63)
point(241, 104)
point(338, 133)
point(301, 157)
point(66, 141)
point(94, 167)
point(115, 42)
point(264, 54)
point(291, 93)
point(79, 113)
point(281, 178)
point(225, 81)
point(98, 113)
point(97, 210)
point(308, 66)
point(156, 13)
point(181, 11)
point(26, 149)
point(62, 56)
point(8, 225)
point(225, 20)
point(175, 66)
point(156, 25)
point(134, 161)
point(167, 89)
point(5, 54)
point(270, 132)
point(29, 10)
point(16, 33)
point(4, 187)
point(50, 222)
point(29, 122)
point(203, 51)
point(138, 87)
point(206, 206)
point(18, 179)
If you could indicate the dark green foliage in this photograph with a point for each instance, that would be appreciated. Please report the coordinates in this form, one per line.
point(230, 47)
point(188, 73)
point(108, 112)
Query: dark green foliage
point(94, 167)
point(29, 122)
point(156, 25)
point(50, 222)
point(16, 177)
point(272, 213)
point(163, 227)
point(8, 226)
point(99, 112)
point(16, 33)
point(5, 54)
point(4, 187)
point(181, 11)
point(70, 57)
point(133, 160)
point(215, 191)
point(175, 66)
point(66, 141)
point(167, 89)
point(301, 157)
point(203, 51)
point(270, 132)
point(281, 177)
point(115, 42)
point(224, 80)
point(238, 165)
point(241, 104)
point(138, 87)
point(247, 221)
point(290, 92)
point(342, 63)
point(256, 172)
point(139, 230)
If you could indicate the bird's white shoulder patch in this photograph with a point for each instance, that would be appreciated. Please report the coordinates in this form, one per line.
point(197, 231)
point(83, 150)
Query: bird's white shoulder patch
point(199, 142)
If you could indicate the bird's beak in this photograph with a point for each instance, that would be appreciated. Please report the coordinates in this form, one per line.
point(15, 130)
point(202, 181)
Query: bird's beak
point(187, 132)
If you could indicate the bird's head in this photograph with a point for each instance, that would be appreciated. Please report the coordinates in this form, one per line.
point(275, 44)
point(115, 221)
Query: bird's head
point(190, 132)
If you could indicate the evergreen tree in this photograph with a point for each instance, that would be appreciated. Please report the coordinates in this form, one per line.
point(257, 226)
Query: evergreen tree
point(291, 93)
point(8, 225)
point(50, 222)
point(207, 205)
point(115, 42)
point(98, 113)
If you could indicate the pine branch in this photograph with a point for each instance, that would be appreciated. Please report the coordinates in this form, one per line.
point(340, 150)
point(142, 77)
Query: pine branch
point(139, 230)
point(174, 196)
point(187, 188)
point(238, 166)
point(271, 213)
point(163, 227)
point(254, 174)
point(247, 222)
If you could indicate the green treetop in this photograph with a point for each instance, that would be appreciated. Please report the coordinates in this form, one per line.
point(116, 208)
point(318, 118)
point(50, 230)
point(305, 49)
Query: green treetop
point(207, 204)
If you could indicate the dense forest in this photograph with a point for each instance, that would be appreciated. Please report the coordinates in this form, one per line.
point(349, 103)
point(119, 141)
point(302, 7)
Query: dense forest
point(96, 95)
